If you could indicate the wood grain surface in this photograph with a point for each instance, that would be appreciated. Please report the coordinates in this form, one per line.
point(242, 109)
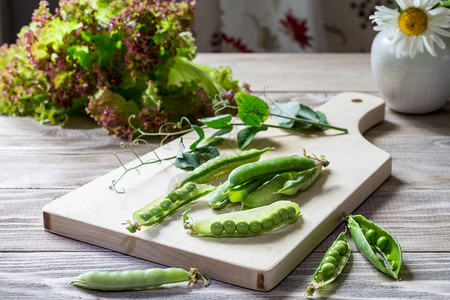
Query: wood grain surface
point(41, 163)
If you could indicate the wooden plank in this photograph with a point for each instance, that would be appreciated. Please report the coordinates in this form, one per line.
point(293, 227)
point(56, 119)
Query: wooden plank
point(91, 214)
point(306, 72)
point(47, 276)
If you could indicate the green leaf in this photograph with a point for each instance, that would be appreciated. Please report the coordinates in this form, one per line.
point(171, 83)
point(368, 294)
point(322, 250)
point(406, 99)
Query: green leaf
point(189, 160)
point(252, 110)
point(201, 136)
point(246, 135)
point(288, 109)
point(208, 151)
point(322, 119)
point(217, 122)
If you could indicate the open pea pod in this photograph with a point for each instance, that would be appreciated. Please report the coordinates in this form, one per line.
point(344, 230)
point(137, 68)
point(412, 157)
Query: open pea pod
point(371, 239)
point(159, 209)
point(219, 197)
point(303, 180)
point(251, 222)
point(331, 265)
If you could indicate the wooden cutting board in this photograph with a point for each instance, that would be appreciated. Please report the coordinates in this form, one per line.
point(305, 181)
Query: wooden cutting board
point(94, 214)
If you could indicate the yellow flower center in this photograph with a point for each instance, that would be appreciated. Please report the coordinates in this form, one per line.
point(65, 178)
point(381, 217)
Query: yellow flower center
point(413, 21)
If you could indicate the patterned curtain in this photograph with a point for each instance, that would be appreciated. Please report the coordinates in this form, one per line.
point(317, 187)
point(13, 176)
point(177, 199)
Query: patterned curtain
point(285, 25)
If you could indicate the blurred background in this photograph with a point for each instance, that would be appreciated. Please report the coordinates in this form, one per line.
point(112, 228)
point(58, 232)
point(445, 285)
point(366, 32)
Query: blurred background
point(253, 25)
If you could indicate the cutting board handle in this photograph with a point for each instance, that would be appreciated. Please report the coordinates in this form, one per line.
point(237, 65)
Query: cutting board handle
point(355, 111)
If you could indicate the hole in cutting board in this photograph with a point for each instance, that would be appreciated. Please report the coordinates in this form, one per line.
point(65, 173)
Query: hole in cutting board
point(357, 100)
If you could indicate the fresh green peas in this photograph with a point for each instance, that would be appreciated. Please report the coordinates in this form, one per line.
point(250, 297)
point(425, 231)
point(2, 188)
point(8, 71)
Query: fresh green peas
point(242, 227)
point(331, 265)
point(137, 279)
point(376, 240)
point(216, 228)
point(162, 207)
point(283, 214)
point(222, 165)
point(249, 222)
point(276, 219)
point(341, 247)
point(165, 204)
point(255, 226)
point(267, 223)
point(229, 226)
point(271, 166)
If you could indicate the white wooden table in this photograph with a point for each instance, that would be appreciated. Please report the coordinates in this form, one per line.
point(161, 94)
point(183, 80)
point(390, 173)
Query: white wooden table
point(40, 163)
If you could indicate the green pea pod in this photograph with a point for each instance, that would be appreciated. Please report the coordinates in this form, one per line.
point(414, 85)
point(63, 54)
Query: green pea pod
point(302, 181)
point(164, 206)
point(136, 279)
point(331, 265)
point(271, 166)
point(266, 194)
point(371, 240)
point(219, 197)
point(244, 223)
point(222, 165)
point(239, 193)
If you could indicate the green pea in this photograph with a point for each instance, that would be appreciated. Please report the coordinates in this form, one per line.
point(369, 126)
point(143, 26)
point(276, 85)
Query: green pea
point(319, 277)
point(340, 247)
point(331, 259)
point(145, 216)
point(255, 226)
point(393, 264)
point(216, 228)
point(242, 227)
point(334, 254)
point(183, 194)
point(190, 186)
point(276, 219)
point(291, 212)
point(165, 204)
point(283, 214)
point(371, 236)
point(156, 211)
point(383, 243)
point(173, 196)
point(328, 269)
point(229, 226)
point(267, 224)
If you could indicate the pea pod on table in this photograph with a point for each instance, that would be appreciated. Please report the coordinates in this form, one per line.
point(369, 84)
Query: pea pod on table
point(371, 239)
point(239, 193)
point(256, 221)
point(270, 167)
point(331, 265)
point(222, 165)
point(159, 209)
point(303, 180)
point(219, 197)
point(137, 279)
point(266, 194)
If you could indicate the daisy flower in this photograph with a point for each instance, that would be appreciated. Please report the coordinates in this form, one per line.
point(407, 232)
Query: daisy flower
point(417, 24)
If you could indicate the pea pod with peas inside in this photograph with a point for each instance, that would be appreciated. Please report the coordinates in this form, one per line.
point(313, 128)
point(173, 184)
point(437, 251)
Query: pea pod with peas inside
point(371, 239)
point(159, 209)
point(137, 279)
point(303, 180)
point(222, 165)
point(266, 194)
point(256, 221)
point(219, 197)
point(270, 167)
point(331, 265)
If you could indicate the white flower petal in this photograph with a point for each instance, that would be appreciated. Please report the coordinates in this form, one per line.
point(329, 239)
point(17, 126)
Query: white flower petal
point(429, 4)
point(402, 4)
point(440, 31)
point(438, 41)
point(429, 45)
point(419, 44)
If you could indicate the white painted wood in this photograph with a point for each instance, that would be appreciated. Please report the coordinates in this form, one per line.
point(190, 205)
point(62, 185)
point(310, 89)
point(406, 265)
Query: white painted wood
point(94, 214)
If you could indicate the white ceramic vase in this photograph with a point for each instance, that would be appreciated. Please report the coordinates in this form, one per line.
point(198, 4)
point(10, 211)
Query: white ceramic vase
point(416, 85)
